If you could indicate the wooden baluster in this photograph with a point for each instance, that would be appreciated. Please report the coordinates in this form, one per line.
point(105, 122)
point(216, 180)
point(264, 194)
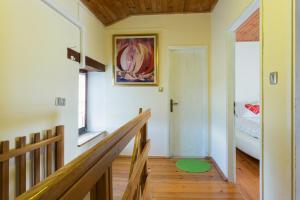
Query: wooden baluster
point(136, 152)
point(4, 172)
point(49, 154)
point(146, 193)
point(141, 147)
point(136, 148)
point(110, 183)
point(103, 188)
point(20, 167)
point(59, 148)
point(36, 160)
point(143, 142)
point(135, 155)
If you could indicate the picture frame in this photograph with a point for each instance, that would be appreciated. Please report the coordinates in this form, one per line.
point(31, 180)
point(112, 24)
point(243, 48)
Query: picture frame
point(135, 60)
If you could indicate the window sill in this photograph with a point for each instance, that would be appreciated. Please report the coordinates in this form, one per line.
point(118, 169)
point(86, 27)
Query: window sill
point(89, 136)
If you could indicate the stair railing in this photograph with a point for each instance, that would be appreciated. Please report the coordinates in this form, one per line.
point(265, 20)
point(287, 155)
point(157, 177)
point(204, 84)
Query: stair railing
point(91, 172)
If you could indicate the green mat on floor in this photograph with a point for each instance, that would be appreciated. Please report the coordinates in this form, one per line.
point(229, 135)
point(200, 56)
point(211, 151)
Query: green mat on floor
point(193, 165)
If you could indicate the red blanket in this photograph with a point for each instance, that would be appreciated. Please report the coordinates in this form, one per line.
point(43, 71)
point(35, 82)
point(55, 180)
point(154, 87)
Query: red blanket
point(253, 108)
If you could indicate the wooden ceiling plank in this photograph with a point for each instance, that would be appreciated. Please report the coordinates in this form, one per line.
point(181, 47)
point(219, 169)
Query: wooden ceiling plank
point(249, 30)
point(181, 5)
point(93, 7)
point(111, 11)
point(142, 6)
point(132, 6)
point(164, 6)
point(111, 8)
point(188, 5)
point(104, 9)
point(170, 5)
point(156, 6)
point(122, 7)
point(148, 6)
point(213, 5)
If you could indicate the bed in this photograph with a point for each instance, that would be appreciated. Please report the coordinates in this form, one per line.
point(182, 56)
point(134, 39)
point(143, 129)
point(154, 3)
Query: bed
point(247, 131)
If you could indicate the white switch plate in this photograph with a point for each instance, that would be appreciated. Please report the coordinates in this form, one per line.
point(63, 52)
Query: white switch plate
point(160, 89)
point(274, 78)
point(60, 101)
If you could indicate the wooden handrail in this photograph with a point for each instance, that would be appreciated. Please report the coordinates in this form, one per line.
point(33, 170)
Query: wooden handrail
point(28, 148)
point(76, 179)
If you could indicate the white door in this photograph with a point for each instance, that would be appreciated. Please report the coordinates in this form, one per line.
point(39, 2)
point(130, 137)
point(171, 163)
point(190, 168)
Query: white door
point(189, 102)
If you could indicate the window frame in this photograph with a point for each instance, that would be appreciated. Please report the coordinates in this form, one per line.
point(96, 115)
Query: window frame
point(83, 130)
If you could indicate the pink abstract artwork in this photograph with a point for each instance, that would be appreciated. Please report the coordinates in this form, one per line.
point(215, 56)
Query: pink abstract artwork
point(135, 61)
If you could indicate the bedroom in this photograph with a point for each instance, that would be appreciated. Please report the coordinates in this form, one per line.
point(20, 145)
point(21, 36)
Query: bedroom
point(247, 112)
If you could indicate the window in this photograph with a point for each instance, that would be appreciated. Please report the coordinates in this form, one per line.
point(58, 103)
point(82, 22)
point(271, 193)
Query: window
point(82, 104)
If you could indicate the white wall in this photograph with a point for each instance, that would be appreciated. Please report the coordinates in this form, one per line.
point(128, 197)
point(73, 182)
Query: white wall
point(247, 72)
point(277, 56)
point(122, 103)
point(224, 14)
point(35, 69)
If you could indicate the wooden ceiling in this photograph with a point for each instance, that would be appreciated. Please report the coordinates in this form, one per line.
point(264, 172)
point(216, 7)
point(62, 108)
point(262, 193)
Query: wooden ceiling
point(249, 30)
point(111, 11)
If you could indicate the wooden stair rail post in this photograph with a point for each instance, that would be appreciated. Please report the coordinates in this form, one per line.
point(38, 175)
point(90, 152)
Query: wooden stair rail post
point(145, 173)
point(4, 172)
point(48, 154)
point(36, 168)
point(103, 188)
point(59, 148)
point(20, 167)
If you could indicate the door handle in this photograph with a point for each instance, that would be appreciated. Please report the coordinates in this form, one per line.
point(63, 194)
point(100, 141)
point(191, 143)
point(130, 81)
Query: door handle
point(172, 104)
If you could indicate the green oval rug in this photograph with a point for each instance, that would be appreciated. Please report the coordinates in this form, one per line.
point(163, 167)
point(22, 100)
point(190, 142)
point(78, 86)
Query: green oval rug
point(193, 165)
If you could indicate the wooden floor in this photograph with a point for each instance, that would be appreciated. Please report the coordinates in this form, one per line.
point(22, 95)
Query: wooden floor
point(247, 175)
point(167, 182)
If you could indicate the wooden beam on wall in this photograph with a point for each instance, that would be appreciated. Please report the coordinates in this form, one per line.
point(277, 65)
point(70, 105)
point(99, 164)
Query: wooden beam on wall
point(91, 64)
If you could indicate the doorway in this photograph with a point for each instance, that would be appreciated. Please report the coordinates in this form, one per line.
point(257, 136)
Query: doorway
point(244, 103)
point(247, 117)
point(188, 101)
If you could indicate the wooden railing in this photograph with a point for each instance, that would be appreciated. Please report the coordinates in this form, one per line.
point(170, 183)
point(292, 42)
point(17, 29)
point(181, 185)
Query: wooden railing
point(91, 172)
point(54, 152)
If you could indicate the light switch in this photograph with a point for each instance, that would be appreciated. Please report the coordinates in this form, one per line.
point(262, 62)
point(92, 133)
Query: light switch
point(60, 101)
point(160, 89)
point(274, 78)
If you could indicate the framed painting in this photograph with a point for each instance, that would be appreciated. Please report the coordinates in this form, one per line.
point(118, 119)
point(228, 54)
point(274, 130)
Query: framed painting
point(135, 59)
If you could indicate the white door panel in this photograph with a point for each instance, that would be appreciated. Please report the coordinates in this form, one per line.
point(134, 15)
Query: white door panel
point(188, 88)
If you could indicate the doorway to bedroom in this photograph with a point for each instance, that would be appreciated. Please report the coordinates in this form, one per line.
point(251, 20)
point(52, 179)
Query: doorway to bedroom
point(247, 107)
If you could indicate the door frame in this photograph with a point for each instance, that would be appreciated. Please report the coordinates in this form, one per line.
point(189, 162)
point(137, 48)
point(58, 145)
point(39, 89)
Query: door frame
point(182, 47)
point(296, 103)
point(230, 43)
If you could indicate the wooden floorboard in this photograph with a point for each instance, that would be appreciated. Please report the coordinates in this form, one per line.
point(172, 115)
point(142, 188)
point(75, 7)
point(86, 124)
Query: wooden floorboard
point(247, 175)
point(167, 182)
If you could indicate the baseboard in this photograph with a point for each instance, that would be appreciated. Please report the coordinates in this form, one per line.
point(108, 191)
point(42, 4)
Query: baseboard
point(189, 157)
point(158, 157)
point(217, 168)
point(151, 157)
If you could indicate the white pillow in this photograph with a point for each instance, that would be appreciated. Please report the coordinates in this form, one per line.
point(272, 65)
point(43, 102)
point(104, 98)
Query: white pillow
point(242, 111)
